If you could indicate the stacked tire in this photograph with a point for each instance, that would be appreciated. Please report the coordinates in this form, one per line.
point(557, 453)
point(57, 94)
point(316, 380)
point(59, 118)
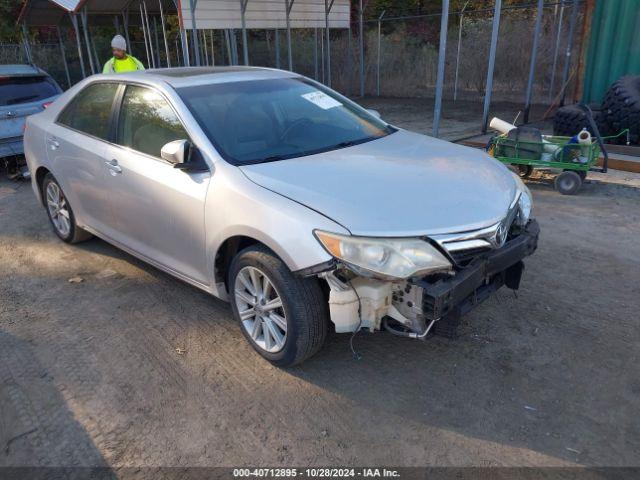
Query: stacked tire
point(571, 119)
point(621, 108)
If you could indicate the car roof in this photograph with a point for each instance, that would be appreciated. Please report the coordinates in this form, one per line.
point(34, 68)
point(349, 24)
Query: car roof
point(17, 70)
point(191, 76)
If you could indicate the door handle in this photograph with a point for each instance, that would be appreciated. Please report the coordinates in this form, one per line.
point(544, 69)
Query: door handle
point(53, 143)
point(113, 167)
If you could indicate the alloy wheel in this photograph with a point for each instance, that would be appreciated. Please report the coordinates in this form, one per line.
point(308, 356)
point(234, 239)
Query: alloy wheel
point(58, 209)
point(260, 309)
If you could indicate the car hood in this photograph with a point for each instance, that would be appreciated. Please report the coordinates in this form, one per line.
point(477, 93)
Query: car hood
point(404, 184)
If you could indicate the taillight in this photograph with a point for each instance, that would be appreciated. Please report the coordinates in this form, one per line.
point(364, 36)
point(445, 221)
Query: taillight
point(46, 104)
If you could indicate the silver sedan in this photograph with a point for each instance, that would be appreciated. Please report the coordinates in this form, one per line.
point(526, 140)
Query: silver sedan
point(264, 188)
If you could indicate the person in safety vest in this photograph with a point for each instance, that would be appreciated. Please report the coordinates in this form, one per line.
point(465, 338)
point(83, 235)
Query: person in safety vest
point(121, 61)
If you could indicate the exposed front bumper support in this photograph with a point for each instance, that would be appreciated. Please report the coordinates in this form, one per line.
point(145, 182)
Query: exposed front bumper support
point(473, 284)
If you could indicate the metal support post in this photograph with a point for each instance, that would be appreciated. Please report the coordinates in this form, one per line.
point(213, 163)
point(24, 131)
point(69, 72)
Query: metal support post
point(164, 36)
point(327, 9)
point(567, 59)
point(455, 82)
point(379, 50)
point(213, 52)
point(146, 21)
point(492, 63)
point(234, 46)
point(288, 6)
point(83, 17)
point(144, 36)
point(444, 24)
point(25, 40)
point(245, 47)
point(194, 36)
point(315, 53)
point(277, 42)
point(532, 64)
point(74, 22)
point(555, 53)
point(64, 56)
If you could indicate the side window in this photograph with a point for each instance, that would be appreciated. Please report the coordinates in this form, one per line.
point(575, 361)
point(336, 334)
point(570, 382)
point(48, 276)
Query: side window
point(147, 121)
point(90, 110)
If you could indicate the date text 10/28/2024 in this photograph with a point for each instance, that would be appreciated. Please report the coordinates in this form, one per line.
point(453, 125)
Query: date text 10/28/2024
point(315, 472)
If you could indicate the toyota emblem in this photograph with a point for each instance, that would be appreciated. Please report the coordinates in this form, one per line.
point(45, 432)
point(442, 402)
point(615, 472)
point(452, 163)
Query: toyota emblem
point(501, 234)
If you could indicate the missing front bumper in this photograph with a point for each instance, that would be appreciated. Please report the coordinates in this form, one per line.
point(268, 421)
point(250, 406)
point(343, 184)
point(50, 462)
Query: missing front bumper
point(475, 283)
point(367, 303)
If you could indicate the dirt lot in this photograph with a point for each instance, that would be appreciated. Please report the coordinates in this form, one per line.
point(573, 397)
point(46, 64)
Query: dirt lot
point(131, 367)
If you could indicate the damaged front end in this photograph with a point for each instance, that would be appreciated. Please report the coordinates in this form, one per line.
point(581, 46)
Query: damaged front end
point(453, 274)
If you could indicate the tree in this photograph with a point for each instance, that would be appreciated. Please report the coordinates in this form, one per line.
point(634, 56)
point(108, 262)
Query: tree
point(9, 11)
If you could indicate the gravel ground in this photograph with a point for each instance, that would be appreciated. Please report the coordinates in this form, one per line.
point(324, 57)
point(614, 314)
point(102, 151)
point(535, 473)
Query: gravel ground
point(130, 367)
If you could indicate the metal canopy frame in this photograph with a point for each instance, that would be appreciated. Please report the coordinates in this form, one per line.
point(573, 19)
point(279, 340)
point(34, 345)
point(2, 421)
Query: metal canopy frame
point(51, 13)
point(288, 5)
point(492, 64)
point(532, 64)
point(442, 53)
point(328, 5)
point(121, 9)
point(245, 47)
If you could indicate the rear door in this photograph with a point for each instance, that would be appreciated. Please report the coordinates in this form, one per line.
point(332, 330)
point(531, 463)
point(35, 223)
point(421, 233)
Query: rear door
point(76, 145)
point(158, 210)
point(21, 96)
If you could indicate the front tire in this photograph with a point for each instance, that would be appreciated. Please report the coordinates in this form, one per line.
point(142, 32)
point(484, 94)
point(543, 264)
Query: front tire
point(284, 317)
point(60, 213)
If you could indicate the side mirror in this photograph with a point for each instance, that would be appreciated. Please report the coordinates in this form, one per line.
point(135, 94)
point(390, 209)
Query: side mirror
point(184, 156)
point(375, 113)
point(176, 152)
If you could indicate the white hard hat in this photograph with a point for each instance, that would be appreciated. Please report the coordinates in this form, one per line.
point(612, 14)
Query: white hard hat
point(119, 42)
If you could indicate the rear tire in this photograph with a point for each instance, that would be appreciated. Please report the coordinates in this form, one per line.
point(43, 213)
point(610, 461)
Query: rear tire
point(568, 182)
point(303, 311)
point(60, 212)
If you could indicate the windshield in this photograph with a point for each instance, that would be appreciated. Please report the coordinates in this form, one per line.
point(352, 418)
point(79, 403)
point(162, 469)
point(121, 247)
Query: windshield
point(14, 90)
point(266, 120)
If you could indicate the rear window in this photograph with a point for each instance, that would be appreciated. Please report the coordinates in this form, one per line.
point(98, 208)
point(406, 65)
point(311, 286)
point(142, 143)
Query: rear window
point(14, 90)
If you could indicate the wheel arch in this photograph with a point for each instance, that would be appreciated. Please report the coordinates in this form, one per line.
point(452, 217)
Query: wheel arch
point(41, 172)
point(233, 244)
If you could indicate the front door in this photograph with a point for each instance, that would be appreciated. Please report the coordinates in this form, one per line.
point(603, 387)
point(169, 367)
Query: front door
point(158, 210)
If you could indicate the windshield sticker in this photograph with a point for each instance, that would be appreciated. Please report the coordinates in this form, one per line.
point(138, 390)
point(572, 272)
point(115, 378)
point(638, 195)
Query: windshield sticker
point(322, 100)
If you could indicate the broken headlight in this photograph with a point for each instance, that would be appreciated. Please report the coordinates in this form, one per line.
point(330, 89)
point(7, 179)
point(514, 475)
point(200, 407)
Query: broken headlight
point(525, 202)
point(385, 257)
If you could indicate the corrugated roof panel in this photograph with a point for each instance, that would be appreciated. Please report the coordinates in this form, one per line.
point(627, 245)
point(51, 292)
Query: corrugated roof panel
point(102, 7)
point(266, 14)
